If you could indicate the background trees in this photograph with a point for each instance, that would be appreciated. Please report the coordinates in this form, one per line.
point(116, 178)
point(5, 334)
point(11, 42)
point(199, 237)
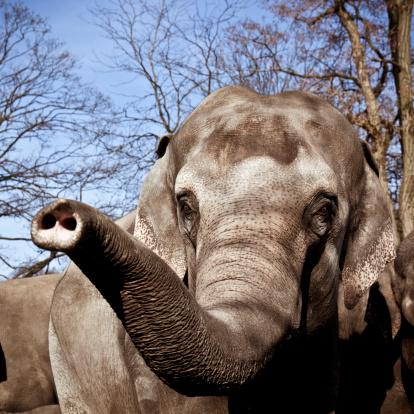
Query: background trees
point(174, 47)
point(358, 55)
point(62, 138)
point(51, 136)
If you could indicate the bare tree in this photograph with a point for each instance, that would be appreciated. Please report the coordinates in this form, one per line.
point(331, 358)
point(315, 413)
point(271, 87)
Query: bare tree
point(356, 53)
point(49, 126)
point(399, 32)
point(173, 49)
point(78, 142)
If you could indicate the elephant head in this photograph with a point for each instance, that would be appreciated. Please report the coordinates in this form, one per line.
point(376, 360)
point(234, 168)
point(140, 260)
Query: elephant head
point(242, 224)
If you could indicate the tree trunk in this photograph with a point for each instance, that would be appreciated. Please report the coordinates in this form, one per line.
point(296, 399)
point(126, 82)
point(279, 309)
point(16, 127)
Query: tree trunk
point(399, 15)
point(374, 128)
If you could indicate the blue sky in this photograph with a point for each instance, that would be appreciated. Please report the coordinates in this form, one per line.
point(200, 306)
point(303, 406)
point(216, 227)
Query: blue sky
point(69, 24)
point(70, 21)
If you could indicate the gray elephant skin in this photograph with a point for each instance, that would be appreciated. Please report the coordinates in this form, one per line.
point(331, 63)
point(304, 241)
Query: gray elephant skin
point(26, 380)
point(228, 289)
point(403, 287)
point(370, 352)
point(376, 346)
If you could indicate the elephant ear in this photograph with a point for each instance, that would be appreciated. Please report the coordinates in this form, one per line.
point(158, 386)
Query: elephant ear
point(156, 222)
point(369, 243)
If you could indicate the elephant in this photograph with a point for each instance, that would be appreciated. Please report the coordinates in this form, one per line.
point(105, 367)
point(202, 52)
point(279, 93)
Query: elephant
point(228, 288)
point(376, 346)
point(26, 380)
point(402, 282)
point(370, 352)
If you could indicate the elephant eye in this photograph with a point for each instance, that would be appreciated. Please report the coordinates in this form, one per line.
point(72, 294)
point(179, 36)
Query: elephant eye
point(324, 211)
point(188, 215)
point(322, 219)
point(187, 210)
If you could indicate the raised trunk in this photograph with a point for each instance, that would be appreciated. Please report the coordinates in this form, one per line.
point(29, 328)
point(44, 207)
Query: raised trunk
point(399, 16)
point(182, 343)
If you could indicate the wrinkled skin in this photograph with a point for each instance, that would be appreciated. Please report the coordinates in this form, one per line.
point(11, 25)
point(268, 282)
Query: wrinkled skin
point(230, 284)
point(114, 379)
point(403, 287)
point(26, 380)
point(370, 352)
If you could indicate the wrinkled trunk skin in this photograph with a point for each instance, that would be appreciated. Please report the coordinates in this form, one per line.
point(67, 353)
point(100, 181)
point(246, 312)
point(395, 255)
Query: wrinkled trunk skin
point(137, 282)
point(89, 345)
point(102, 357)
point(129, 275)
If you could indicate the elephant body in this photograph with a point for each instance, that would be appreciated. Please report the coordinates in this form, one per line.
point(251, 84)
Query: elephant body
point(370, 352)
point(26, 380)
point(376, 346)
point(228, 289)
point(47, 409)
point(403, 288)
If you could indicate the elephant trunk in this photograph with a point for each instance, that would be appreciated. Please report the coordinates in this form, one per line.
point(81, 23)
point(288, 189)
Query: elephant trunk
point(172, 332)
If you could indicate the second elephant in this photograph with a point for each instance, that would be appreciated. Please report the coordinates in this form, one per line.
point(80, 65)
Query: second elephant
point(403, 287)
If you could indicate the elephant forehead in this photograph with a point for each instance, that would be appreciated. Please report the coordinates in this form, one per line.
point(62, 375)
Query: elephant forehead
point(231, 139)
point(308, 173)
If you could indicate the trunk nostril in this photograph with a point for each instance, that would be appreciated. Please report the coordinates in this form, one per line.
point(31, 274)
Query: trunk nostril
point(69, 223)
point(48, 222)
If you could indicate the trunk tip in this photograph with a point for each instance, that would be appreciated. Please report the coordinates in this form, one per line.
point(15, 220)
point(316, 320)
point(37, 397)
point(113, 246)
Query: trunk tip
point(56, 227)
